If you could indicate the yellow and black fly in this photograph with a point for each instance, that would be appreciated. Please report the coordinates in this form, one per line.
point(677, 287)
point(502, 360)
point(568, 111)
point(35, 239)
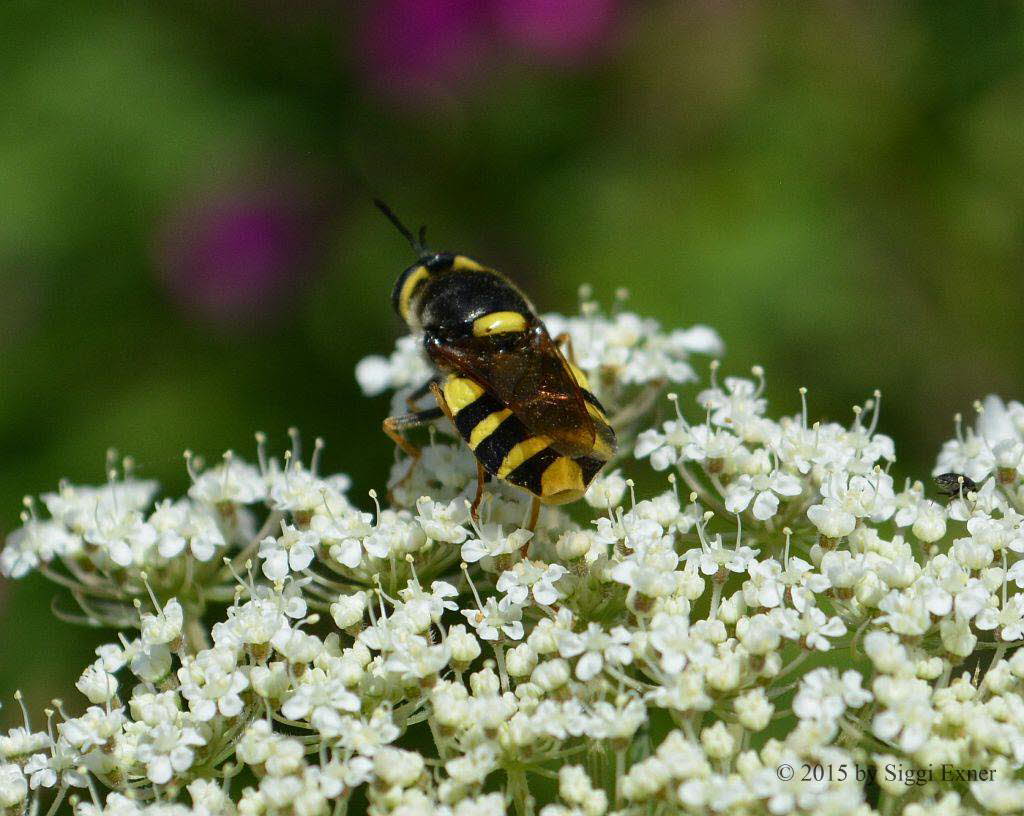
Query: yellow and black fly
point(524, 409)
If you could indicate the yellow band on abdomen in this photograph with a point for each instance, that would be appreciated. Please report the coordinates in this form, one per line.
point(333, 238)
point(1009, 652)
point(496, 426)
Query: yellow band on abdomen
point(520, 453)
point(563, 476)
point(485, 427)
point(460, 392)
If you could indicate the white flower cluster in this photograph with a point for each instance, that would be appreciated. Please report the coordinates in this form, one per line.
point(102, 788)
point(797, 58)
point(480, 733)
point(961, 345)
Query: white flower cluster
point(782, 605)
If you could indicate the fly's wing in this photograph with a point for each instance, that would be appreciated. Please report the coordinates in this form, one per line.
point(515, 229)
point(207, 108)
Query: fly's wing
point(529, 374)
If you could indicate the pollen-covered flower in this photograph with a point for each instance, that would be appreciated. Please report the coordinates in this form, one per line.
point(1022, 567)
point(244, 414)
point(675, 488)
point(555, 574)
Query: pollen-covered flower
point(292, 551)
point(761, 491)
point(997, 440)
point(180, 525)
point(595, 647)
point(97, 684)
point(35, 543)
point(531, 578)
point(492, 542)
point(233, 482)
point(212, 683)
point(496, 618)
point(166, 749)
point(13, 786)
point(825, 694)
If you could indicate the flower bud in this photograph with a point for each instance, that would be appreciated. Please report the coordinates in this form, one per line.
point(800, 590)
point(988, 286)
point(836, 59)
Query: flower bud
point(731, 608)
point(870, 590)
point(348, 610)
point(957, 638)
point(930, 525)
point(723, 674)
point(753, 709)
point(543, 639)
point(465, 647)
point(551, 675)
point(572, 545)
point(521, 660)
point(484, 683)
point(97, 684)
point(973, 554)
point(397, 767)
point(759, 634)
point(691, 582)
point(717, 741)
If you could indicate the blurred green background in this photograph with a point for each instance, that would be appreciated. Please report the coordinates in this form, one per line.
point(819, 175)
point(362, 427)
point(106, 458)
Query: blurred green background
point(188, 252)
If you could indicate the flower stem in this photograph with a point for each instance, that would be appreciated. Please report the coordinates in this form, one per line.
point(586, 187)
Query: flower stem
point(499, 654)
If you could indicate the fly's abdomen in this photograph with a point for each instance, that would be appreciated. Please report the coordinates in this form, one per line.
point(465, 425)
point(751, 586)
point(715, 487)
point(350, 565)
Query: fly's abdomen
point(509, 451)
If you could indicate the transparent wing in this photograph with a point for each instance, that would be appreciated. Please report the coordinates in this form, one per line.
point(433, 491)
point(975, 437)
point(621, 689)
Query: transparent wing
point(528, 373)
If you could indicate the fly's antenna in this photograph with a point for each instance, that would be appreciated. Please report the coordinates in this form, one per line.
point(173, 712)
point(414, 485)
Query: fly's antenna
point(418, 244)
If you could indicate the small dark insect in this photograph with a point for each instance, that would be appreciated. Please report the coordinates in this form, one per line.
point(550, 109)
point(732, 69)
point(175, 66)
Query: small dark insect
point(524, 409)
point(955, 484)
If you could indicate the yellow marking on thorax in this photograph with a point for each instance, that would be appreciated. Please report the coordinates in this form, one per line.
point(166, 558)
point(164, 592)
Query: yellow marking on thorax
point(460, 392)
point(460, 263)
point(563, 476)
point(486, 426)
point(498, 323)
point(521, 452)
point(411, 282)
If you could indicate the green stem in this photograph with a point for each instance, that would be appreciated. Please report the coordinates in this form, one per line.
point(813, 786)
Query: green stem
point(57, 800)
point(716, 598)
point(620, 772)
point(520, 792)
point(195, 634)
point(499, 654)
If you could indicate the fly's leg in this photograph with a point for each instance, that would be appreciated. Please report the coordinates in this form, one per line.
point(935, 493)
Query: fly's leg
point(394, 426)
point(481, 477)
point(639, 407)
point(442, 403)
point(420, 393)
point(532, 525)
point(565, 340)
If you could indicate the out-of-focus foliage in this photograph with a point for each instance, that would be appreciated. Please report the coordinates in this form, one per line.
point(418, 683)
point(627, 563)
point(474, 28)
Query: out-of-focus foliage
point(188, 252)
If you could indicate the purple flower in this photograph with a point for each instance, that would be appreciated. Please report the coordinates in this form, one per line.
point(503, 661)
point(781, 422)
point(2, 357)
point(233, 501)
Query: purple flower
point(234, 253)
point(419, 50)
point(556, 30)
point(423, 47)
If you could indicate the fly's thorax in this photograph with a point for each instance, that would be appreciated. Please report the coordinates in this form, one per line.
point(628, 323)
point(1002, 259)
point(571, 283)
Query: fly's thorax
point(468, 300)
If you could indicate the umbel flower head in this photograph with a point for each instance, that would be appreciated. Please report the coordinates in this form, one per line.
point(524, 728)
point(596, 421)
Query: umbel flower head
point(782, 627)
